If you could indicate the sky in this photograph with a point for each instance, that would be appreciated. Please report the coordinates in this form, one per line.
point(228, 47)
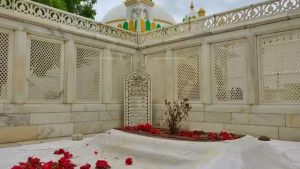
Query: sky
point(178, 8)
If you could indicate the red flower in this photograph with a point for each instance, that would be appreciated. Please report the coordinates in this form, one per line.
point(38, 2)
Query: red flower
point(68, 154)
point(147, 128)
point(49, 165)
point(226, 136)
point(212, 136)
point(34, 162)
point(155, 131)
point(86, 166)
point(59, 151)
point(189, 135)
point(128, 161)
point(197, 132)
point(65, 163)
point(102, 164)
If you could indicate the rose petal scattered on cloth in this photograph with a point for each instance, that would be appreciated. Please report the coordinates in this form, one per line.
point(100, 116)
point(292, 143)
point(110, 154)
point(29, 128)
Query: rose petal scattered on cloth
point(128, 161)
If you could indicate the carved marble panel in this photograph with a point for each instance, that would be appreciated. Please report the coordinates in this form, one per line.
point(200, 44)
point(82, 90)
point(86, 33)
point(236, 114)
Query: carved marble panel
point(137, 98)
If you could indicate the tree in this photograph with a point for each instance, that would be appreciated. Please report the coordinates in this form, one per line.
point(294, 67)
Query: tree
point(80, 7)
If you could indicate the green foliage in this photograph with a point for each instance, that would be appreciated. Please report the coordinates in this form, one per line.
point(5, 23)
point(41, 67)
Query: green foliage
point(79, 7)
point(60, 4)
point(86, 8)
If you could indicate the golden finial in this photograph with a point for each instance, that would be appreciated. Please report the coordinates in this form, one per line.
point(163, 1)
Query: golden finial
point(201, 12)
point(192, 5)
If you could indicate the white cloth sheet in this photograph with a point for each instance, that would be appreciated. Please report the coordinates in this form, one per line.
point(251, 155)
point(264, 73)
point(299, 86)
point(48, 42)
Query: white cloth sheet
point(154, 153)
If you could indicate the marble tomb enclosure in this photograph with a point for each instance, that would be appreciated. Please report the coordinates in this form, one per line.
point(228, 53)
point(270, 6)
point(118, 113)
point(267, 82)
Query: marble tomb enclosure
point(62, 74)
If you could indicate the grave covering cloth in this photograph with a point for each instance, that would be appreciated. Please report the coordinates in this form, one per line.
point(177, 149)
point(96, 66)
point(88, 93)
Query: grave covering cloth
point(115, 146)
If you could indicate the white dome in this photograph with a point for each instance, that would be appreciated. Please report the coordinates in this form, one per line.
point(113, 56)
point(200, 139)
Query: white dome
point(119, 12)
point(160, 13)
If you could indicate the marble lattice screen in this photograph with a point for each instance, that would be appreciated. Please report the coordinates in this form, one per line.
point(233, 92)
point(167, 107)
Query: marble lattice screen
point(228, 64)
point(45, 76)
point(279, 68)
point(5, 61)
point(88, 74)
point(188, 73)
point(156, 66)
point(121, 66)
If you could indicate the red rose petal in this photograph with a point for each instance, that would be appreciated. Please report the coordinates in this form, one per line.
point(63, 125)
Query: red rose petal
point(128, 161)
point(86, 166)
point(68, 154)
point(59, 151)
point(102, 164)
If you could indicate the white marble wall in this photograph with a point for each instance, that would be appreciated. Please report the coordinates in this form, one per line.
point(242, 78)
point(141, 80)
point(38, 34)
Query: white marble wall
point(278, 121)
point(21, 120)
point(40, 121)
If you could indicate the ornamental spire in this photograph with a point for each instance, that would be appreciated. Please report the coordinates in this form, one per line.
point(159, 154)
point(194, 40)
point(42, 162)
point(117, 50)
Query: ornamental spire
point(192, 5)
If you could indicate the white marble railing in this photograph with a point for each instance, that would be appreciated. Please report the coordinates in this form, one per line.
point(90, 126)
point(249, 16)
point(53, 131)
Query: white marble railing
point(45, 12)
point(248, 13)
point(202, 25)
